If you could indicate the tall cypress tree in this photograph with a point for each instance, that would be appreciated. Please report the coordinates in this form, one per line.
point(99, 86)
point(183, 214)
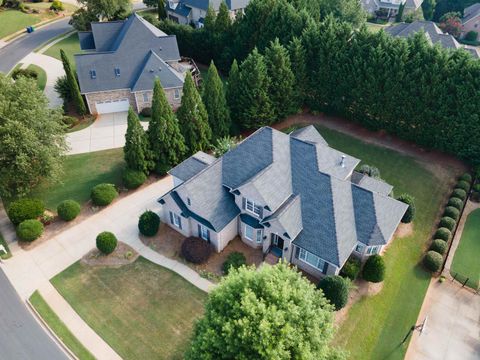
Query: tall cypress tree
point(282, 80)
point(233, 88)
point(223, 22)
point(136, 145)
point(193, 118)
point(166, 143)
point(75, 94)
point(216, 104)
point(162, 13)
point(297, 59)
point(255, 107)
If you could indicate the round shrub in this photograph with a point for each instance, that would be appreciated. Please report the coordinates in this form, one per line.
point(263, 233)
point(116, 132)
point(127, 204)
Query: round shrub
point(29, 230)
point(451, 212)
point(148, 223)
point(196, 250)
point(132, 179)
point(447, 222)
point(466, 177)
point(459, 193)
point(410, 213)
point(439, 246)
point(25, 209)
point(234, 260)
point(463, 185)
point(471, 36)
point(455, 202)
point(476, 187)
point(28, 73)
point(106, 242)
point(103, 194)
point(68, 210)
point(374, 269)
point(443, 234)
point(351, 268)
point(433, 261)
point(369, 170)
point(146, 112)
point(336, 289)
point(57, 5)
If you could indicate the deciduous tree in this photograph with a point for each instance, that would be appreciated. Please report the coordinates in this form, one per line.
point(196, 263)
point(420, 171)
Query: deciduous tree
point(99, 10)
point(135, 150)
point(451, 23)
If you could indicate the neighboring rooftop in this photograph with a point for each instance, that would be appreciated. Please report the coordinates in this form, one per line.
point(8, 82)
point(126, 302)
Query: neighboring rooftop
point(471, 12)
point(192, 166)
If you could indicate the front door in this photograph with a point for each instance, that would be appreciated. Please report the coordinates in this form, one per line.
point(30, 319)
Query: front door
point(277, 245)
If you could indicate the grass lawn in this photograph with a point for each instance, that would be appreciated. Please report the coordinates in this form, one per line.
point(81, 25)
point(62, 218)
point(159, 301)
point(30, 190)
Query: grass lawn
point(376, 325)
point(142, 310)
point(42, 76)
point(81, 173)
point(59, 328)
point(71, 46)
point(466, 259)
point(375, 27)
point(13, 20)
point(5, 245)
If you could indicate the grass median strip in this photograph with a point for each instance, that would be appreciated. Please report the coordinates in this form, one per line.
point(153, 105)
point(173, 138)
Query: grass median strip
point(5, 245)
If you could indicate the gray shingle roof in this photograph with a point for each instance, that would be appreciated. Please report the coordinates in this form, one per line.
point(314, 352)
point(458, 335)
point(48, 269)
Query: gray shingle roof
point(105, 34)
point(310, 134)
point(369, 183)
point(288, 216)
point(192, 166)
point(471, 12)
point(86, 40)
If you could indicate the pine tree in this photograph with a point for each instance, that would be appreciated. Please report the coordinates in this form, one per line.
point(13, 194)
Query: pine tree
point(162, 13)
point(282, 80)
point(255, 107)
point(297, 59)
point(209, 22)
point(73, 84)
point(216, 103)
point(193, 118)
point(166, 143)
point(233, 88)
point(136, 145)
point(223, 23)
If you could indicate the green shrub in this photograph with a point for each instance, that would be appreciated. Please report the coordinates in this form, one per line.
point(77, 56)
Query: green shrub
point(29, 230)
point(463, 185)
point(439, 246)
point(106, 242)
point(28, 73)
point(447, 222)
point(374, 269)
point(103, 194)
point(443, 234)
point(452, 212)
point(132, 179)
point(410, 213)
point(466, 177)
point(25, 209)
point(57, 5)
point(70, 121)
point(146, 112)
point(369, 170)
point(455, 202)
point(196, 250)
point(148, 223)
point(234, 260)
point(351, 268)
point(459, 193)
point(336, 289)
point(68, 210)
point(433, 261)
point(471, 36)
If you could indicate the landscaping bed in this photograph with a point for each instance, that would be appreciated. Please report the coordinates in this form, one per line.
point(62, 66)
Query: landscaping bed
point(122, 255)
point(42, 76)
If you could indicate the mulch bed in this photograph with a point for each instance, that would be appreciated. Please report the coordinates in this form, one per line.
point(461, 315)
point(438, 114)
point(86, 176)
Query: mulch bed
point(122, 255)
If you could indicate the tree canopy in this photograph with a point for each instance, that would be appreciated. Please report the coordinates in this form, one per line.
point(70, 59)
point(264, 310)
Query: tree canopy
point(135, 150)
point(99, 10)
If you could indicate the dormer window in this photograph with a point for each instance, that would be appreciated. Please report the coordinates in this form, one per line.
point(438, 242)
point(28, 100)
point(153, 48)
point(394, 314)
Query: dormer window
point(117, 72)
point(250, 206)
point(93, 74)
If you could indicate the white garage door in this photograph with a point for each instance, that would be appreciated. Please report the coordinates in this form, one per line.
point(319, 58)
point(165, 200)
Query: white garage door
point(113, 106)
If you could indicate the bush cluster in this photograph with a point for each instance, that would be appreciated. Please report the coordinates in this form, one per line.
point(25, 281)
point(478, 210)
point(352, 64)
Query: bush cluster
point(29, 230)
point(410, 213)
point(28, 73)
point(68, 210)
point(351, 268)
point(463, 185)
point(443, 233)
point(447, 222)
point(25, 209)
point(103, 194)
point(459, 193)
point(455, 202)
point(234, 261)
point(452, 212)
point(439, 246)
point(106, 242)
point(148, 223)
point(433, 261)
point(57, 5)
point(374, 269)
point(466, 177)
point(336, 289)
point(196, 250)
point(132, 179)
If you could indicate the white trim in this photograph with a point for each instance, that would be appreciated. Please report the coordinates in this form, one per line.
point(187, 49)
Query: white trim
point(202, 230)
point(176, 220)
point(253, 207)
point(304, 260)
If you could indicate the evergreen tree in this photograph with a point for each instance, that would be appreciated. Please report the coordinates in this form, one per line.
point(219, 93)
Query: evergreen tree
point(166, 143)
point(193, 118)
point(282, 80)
point(428, 7)
point(297, 59)
point(136, 145)
point(209, 22)
point(255, 107)
point(223, 23)
point(73, 84)
point(233, 92)
point(162, 12)
point(216, 103)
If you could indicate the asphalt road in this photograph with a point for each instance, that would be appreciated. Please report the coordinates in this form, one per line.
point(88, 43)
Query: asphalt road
point(21, 337)
point(15, 51)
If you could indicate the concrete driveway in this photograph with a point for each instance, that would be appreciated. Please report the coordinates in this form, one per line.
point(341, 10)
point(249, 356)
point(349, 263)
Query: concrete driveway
point(107, 132)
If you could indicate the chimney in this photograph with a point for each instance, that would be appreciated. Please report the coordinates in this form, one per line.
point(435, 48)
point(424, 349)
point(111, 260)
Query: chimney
point(342, 164)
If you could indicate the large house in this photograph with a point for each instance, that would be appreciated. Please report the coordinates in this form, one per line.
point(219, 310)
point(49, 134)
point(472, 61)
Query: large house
point(471, 19)
point(122, 62)
point(292, 196)
point(433, 33)
point(194, 11)
point(389, 8)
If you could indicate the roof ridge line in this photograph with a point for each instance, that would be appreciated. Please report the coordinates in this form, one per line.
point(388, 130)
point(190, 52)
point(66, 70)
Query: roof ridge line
point(334, 219)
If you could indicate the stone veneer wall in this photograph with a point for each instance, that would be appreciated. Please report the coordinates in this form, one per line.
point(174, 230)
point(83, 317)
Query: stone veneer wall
point(169, 93)
point(93, 98)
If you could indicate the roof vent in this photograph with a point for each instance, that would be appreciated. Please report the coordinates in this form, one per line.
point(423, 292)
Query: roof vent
point(342, 164)
point(151, 70)
point(159, 69)
point(160, 48)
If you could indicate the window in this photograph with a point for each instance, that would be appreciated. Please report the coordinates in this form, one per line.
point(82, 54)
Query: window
point(259, 236)
point(117, 72)
point(203, 232)
point(145, 97)
point(360, 248)
point(312, 259)
point(249, 232)
point(93, 74)
point(176, 95)
point(373, 250)
point(253, 234)
point(251, 207)
point(175, 220)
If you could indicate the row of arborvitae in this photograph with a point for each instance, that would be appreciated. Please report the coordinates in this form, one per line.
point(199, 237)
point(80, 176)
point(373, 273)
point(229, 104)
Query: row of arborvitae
point(433, 259)
point(476, 186)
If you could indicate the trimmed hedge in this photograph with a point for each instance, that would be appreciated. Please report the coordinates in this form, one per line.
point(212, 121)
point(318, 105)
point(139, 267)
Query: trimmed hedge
point(447, 222)
point(451, 212)
point(466, 177)
point(234, 261)
point(459, 193)
point(433, 261)
point(439, 246)
point(132, 179)
point(106, 242)
point(148, 223)
point(25, 209)
point(443, 234)
point(30, 230)
point(374, 269)
point(68, 210)
point(351, 268)
point(463, 185)
point(410, 213)
point(28, 73)
point(196, 250)
point(336, 289)
point(103, 194)
point(456, 203)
